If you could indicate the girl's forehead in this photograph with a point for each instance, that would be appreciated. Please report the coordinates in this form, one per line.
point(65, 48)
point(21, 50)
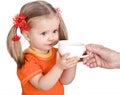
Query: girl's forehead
point(43, 18)
point(45, 22)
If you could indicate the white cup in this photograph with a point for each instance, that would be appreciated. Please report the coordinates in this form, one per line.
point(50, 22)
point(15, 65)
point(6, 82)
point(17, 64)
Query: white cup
point(74, 48)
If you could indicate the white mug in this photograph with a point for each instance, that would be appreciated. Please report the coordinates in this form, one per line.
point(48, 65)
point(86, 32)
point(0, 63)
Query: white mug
point(72, 47)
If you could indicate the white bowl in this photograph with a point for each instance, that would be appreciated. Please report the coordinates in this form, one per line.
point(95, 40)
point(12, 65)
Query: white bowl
point(74, 48)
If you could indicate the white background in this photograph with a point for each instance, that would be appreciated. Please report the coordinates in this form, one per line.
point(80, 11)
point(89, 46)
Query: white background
point(88, 21)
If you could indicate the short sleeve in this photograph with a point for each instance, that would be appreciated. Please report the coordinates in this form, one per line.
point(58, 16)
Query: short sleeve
point(29, 69)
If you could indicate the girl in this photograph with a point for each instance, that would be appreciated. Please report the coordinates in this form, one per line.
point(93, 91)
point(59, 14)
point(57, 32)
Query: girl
point(41, 69)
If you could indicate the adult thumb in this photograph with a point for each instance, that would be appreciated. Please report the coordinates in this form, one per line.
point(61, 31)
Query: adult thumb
point(97, 49)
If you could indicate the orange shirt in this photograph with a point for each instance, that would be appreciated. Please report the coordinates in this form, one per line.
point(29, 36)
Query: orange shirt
point(38, 63)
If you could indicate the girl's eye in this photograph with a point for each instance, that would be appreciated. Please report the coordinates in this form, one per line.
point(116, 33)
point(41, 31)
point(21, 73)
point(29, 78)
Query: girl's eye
point(43, 33)
point(54, 31)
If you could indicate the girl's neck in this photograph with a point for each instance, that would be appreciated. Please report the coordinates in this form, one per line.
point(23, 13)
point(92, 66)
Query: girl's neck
point(40, 51)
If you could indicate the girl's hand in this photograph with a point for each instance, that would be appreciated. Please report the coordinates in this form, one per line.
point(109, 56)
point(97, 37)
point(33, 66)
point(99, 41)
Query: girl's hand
point(64, 62)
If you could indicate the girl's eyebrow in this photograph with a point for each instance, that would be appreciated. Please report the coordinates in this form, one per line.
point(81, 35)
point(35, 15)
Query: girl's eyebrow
point(48, 30)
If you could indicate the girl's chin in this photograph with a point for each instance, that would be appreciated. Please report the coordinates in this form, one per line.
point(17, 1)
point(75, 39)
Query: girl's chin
point(48, 48)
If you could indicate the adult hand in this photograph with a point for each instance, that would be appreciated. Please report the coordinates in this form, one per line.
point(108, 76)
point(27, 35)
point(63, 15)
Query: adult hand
point(102, 57)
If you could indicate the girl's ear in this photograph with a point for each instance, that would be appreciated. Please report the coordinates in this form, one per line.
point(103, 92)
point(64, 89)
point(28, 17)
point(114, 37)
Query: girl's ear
point(26, 35)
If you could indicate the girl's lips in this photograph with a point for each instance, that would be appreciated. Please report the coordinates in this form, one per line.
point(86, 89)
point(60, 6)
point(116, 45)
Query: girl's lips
point(50, 44)
point(53, 43)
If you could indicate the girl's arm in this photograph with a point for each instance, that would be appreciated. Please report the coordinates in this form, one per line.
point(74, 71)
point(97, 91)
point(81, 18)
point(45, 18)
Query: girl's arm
point(47, 81)
point(68, 75)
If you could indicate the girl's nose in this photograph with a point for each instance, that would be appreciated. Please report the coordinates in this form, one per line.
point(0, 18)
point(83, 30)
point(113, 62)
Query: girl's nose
point(51, 37)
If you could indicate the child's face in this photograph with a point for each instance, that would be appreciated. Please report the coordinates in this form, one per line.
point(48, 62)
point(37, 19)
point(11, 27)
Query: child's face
point(44, 33)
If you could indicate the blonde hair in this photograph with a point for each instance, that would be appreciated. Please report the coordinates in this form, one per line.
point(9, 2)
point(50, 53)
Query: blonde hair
point(30, 10)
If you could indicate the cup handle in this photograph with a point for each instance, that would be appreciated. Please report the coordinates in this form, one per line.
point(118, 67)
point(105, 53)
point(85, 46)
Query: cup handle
point(84, 56)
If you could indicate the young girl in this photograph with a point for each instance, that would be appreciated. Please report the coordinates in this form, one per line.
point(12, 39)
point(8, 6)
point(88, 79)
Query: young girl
point(41, 69)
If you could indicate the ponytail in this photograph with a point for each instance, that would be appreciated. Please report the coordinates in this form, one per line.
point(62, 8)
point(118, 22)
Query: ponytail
point(63, 35)
point(14, 48)
point(62, 31)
